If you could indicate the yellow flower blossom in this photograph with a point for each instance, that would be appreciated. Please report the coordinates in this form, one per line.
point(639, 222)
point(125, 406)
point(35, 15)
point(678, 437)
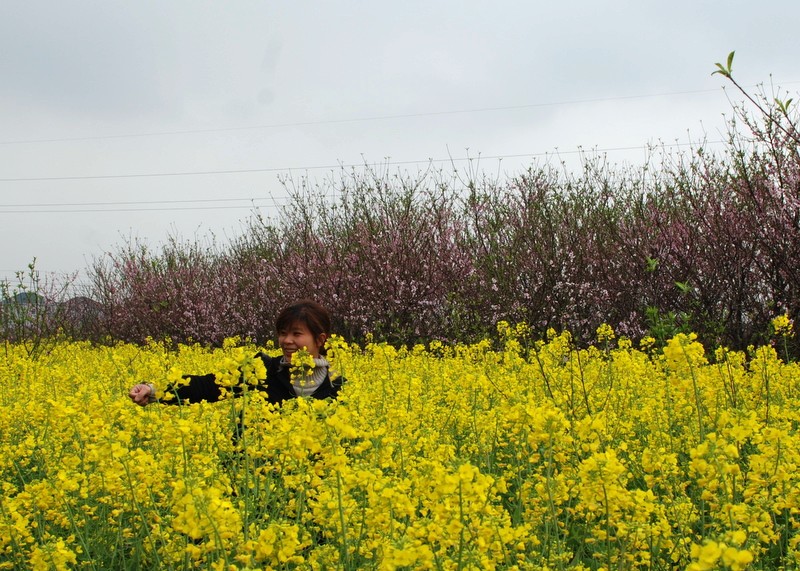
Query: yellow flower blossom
point(605, 333)
point(783, 326)
point(527, 454)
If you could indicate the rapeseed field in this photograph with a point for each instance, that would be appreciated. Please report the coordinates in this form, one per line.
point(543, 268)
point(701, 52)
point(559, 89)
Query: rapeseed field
point(509, 454)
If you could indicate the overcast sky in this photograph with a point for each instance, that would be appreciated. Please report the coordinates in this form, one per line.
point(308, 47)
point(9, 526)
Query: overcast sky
point(146, 119)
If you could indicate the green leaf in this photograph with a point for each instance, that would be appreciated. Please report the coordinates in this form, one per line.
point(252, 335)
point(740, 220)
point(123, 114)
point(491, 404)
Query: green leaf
point(783, 105)
point(721, 70)
point(726, 70)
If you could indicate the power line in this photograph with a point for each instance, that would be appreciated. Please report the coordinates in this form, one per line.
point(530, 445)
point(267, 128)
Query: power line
point(146, 175)
point(117, 203)
point(328, 167)
point(365, 119)
point(75, 206)
point(40, 211)
point(272, 201)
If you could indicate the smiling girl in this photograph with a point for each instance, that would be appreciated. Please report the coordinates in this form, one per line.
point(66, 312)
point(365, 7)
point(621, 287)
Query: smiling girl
point(302, 325)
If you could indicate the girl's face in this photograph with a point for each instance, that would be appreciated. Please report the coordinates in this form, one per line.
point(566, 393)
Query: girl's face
point(296, 337)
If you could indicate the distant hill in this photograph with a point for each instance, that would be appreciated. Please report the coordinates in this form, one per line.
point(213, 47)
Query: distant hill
point(26, 297)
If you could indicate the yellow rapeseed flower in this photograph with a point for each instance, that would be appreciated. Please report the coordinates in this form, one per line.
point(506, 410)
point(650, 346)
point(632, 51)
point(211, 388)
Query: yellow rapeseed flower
point(528, 454)
point(783, 326)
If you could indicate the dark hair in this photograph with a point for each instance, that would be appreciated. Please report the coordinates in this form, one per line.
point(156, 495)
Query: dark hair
point(309, 313)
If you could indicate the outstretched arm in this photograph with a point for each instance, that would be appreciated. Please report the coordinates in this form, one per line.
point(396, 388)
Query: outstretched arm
point(198, 388)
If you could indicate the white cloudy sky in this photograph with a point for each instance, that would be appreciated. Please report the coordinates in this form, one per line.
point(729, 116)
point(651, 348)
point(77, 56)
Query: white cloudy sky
point(122, 119)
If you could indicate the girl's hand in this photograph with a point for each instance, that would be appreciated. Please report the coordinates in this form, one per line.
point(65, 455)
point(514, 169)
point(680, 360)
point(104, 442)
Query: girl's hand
point(141, 394)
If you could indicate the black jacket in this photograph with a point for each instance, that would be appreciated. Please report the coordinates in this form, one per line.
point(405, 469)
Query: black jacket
point(277, 385)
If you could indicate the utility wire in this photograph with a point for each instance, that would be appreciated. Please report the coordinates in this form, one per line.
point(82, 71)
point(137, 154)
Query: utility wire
point(362, 119)
point(146, 175)
point(338, 166)
point(136, 202)
point(40, 211)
